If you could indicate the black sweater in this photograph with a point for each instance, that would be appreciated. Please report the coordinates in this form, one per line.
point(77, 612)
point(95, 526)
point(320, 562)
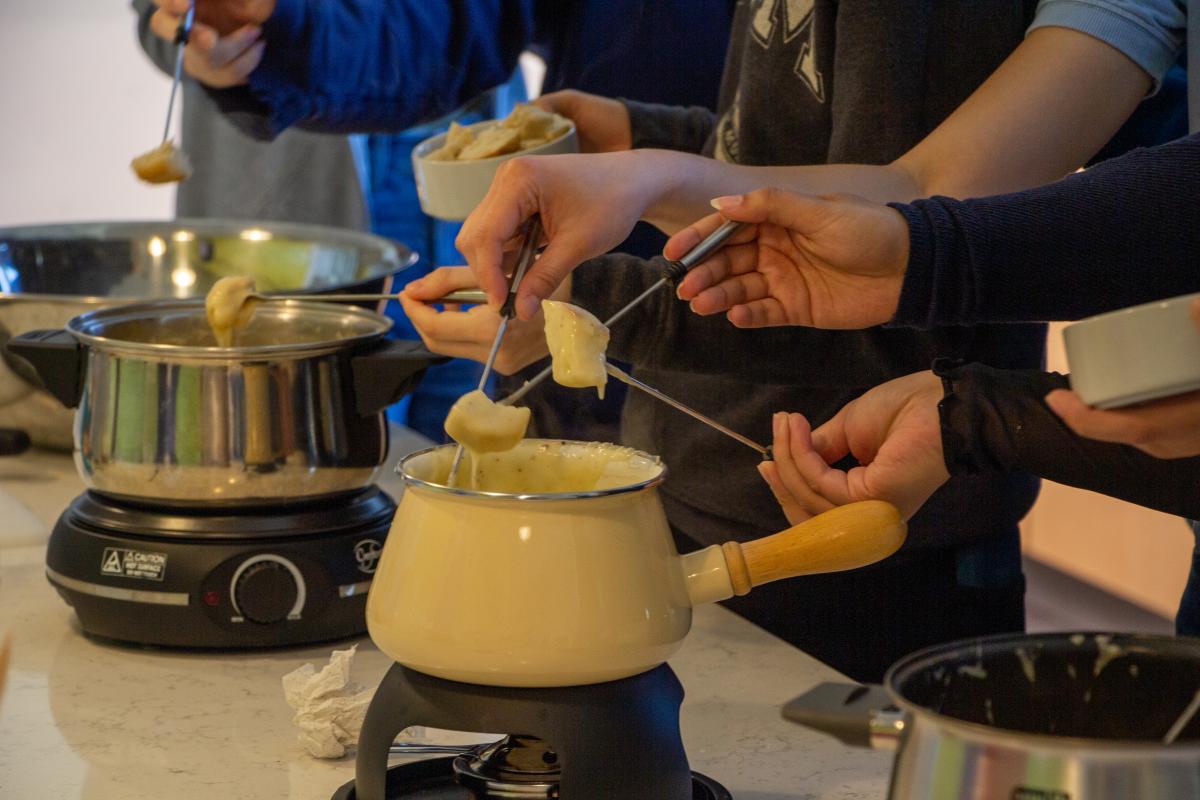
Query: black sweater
point(1124, 232)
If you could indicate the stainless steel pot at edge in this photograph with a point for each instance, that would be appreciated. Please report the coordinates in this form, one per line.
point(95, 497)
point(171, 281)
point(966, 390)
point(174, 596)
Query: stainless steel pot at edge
point(942, 758)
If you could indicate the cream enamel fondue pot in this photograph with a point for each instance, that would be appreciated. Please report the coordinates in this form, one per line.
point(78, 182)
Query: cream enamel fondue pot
point(560, 569)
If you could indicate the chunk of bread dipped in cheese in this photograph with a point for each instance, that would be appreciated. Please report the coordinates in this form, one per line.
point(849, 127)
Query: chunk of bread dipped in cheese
point(577, 342)
point(230, 305)
point(163, 164)
point(482, 426)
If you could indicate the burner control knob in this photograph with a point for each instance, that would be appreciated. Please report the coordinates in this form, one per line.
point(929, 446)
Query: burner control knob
point(265, 591)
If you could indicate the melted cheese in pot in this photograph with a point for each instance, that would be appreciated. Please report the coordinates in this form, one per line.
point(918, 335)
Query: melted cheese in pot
point(548, 467)
point(482, 426)
point(229, 306)
point(577, 341)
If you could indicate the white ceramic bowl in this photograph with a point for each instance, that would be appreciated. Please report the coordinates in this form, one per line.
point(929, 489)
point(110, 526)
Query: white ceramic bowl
point(452, 189)
point(1134, 355)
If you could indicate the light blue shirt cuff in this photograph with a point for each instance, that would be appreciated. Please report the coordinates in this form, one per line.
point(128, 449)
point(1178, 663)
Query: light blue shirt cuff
point(1150, 33)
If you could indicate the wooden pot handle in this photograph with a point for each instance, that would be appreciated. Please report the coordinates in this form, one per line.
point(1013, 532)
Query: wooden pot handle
point(842, 538)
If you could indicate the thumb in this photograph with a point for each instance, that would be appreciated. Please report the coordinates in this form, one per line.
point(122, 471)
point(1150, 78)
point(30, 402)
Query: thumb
point(802, 213)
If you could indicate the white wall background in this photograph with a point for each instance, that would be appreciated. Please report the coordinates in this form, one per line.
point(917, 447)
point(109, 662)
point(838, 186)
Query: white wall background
point(77, 101)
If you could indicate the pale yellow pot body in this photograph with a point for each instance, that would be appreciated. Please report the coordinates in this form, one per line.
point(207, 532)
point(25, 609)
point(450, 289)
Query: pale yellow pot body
point(535, 592)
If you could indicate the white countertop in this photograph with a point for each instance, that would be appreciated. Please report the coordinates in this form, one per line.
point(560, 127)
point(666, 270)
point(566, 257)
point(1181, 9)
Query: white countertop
point(96, 721)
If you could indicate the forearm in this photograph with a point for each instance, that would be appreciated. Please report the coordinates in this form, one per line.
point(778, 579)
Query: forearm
point(359, 65)
point(996, 421)
point(1043, 113)
point(1121, 233)
point(681, 185)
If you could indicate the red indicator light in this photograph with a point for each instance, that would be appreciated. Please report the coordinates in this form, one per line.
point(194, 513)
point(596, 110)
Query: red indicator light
point(211, 598)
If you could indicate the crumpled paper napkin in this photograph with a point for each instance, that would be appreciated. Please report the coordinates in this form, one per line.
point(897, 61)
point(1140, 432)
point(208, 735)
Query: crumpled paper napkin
point(330, 710)
point(329, 707)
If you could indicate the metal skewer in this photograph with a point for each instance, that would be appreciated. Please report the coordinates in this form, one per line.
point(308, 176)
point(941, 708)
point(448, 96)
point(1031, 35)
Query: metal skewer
point(533, 235)
point(624, 377)
point(181, 37)
point(674, 272)
point(476, 296)
point(1183, 720)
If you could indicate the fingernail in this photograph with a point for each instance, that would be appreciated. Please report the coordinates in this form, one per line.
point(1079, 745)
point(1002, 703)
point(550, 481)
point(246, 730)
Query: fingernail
point(727, 202)
point(527, 306)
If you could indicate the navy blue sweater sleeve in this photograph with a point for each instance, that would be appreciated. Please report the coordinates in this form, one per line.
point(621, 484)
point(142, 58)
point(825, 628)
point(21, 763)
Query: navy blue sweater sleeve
point(1123, 232)
point(376, 65)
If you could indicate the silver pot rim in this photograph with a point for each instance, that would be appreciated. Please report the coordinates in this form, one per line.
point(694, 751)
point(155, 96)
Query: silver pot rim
point(77, 327)
point(398, 256)
point(454, 491)
point(979, 732)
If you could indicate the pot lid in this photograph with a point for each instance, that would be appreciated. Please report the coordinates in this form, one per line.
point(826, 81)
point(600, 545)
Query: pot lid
point(180, 328)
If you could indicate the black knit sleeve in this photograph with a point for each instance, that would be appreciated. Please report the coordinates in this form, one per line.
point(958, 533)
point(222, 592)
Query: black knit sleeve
point(1121, 233)
point(683, 128)
point(996, 421)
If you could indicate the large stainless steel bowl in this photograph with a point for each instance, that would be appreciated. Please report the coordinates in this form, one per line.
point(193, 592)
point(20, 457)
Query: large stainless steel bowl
point(51, 273)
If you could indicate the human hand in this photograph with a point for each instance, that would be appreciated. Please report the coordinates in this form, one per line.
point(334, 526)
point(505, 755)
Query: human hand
point(822, 262)
point(601, 123)
point(1168, 428)
point(222, 16)
point(214, 60)
point(469, 333)
point(588, 204)
point(893, 430)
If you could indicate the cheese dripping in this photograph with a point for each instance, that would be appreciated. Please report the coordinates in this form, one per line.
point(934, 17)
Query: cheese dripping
point(229, 305)
point(577, 341)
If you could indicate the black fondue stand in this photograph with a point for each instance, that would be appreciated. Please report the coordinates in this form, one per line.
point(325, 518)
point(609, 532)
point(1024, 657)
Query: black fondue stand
point(618, 740)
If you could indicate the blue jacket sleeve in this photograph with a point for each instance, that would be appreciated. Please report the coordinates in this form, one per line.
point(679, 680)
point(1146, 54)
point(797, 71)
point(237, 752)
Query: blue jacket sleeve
point(1120, 233)
point(376, 65)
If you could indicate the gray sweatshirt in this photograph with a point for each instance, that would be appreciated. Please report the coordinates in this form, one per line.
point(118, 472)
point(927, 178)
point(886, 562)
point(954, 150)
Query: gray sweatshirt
point(809, 83)
point(298, 177)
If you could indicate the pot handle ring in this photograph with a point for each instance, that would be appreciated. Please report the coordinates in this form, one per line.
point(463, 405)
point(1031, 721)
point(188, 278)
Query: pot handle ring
point(857, 715)
point(56, 358)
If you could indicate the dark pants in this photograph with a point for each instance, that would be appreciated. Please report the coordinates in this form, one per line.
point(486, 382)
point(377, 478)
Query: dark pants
point(861, 622)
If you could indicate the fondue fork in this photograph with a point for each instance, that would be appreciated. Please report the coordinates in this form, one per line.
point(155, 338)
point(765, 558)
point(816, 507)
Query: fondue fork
point(674, 271)
point(625, 377)
point(475, 296)
point(1183, 720)
point(533, 235)
point(181, 37)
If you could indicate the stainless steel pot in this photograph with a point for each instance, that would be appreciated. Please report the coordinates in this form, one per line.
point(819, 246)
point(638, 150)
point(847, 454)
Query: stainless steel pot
point(164, 415)
point(1063, 716)
point(51, 273)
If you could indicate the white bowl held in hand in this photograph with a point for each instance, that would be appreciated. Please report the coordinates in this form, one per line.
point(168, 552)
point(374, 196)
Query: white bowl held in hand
point(451, 189)
point(1134, 355)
